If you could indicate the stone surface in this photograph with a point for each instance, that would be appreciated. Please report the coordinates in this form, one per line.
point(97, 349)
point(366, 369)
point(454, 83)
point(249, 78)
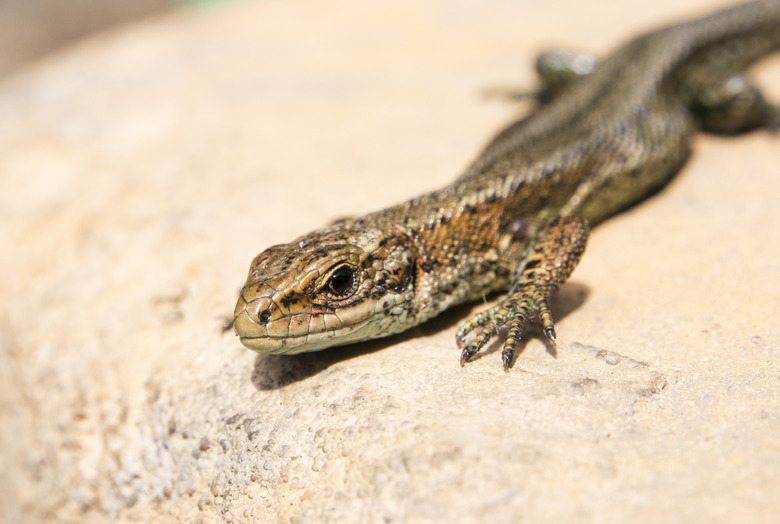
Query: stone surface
point(142, 171)
point(30, 29)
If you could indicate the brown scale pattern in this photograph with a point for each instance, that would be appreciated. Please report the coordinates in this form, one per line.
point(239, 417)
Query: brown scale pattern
point(517, 219)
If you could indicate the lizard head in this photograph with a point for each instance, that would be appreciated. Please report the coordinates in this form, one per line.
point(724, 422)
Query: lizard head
point(331, 287)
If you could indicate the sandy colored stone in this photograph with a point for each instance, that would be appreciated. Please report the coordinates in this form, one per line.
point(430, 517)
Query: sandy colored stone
point(142, 170)
point(30, 29)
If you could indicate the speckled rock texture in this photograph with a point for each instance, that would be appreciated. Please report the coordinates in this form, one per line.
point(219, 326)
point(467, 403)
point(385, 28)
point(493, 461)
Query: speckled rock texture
point(142, 169)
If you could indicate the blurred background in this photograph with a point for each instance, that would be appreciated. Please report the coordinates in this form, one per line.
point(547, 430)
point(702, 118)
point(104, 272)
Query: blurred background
point(31, 29)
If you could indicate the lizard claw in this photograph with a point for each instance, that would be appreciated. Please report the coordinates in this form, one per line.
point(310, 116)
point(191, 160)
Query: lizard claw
point(547, 265)
point(465, 356)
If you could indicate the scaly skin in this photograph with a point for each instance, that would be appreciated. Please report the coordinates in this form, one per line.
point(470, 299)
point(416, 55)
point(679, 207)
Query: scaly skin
point(517, 219)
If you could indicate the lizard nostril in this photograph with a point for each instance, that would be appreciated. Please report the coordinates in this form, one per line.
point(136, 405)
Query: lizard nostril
point(260, 310)
point(264, 316)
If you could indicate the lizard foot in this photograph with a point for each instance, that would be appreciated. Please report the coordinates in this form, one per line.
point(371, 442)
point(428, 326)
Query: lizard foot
point(546, 266)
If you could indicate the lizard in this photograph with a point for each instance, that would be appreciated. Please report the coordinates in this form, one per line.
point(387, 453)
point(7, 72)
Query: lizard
point(606, 135)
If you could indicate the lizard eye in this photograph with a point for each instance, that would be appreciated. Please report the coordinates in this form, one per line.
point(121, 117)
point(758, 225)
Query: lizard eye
point(342, 281)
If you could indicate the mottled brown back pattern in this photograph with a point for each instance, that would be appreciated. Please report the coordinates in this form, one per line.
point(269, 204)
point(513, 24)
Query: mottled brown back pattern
point(518, 219)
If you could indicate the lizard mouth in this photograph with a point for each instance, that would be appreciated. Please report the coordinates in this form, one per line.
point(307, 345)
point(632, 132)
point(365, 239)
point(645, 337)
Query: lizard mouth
point(288, 334)
point(291, 344)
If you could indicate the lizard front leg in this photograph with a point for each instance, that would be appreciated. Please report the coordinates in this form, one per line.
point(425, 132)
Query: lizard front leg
point(546, 266)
